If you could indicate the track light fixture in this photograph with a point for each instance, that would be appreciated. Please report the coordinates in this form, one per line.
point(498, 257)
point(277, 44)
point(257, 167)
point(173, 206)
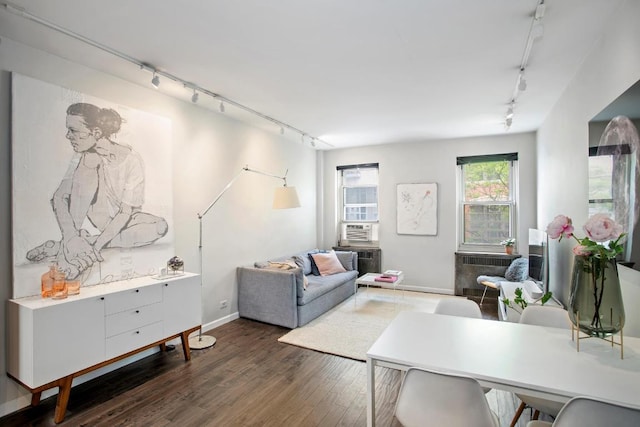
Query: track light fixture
point(313, 142)
point(535, 31)
point(194, 97)
point(155, 81)
point(221, 106)
point(522, 83)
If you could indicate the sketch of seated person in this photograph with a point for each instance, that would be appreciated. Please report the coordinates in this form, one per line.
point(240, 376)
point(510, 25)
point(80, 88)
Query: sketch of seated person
point(104, 185)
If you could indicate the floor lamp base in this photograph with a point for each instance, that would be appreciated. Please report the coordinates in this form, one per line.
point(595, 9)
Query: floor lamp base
point(200, 342)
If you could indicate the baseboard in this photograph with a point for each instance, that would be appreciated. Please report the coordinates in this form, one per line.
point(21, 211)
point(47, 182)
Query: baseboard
point(219, 322)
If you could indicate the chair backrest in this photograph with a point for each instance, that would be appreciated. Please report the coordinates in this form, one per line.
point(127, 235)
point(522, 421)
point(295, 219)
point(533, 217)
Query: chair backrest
point(585, 411)
point(544, 315)
point(438, 399)
point(458, 307)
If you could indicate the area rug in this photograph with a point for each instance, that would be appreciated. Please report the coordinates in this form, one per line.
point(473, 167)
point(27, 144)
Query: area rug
point(350, 328)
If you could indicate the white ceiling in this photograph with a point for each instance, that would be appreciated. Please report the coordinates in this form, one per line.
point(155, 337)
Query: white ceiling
point(349, 72)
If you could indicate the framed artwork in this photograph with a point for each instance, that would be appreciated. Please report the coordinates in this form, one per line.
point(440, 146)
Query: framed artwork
point(91, 189)
point(417, 209)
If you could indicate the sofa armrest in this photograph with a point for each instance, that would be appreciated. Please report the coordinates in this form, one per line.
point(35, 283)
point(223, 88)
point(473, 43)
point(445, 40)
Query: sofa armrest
point(269, 296)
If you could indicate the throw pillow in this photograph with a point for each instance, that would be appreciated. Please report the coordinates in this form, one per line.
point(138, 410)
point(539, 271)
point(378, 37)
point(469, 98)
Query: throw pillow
point(518, 270)
point(328, 263)
point(314, 267)
point(345, 259)
point(303, 261)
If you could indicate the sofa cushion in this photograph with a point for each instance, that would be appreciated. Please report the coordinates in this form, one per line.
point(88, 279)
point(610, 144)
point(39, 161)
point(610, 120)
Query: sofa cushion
point(304, 261)
point(346, 259)
point(328, 263)
point(320, 285)
point(518, 270)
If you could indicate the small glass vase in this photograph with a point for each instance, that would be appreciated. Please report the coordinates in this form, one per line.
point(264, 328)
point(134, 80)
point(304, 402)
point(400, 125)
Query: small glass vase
point(595, 304)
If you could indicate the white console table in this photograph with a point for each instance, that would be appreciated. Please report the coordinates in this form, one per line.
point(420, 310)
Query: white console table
point(51, 342)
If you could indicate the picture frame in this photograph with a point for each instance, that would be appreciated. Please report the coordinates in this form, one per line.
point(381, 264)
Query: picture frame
point(417, 209)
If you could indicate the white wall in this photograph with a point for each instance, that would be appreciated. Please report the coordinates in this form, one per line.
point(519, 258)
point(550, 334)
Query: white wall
point(427, 261)
point(611, 68)
point(209, 149)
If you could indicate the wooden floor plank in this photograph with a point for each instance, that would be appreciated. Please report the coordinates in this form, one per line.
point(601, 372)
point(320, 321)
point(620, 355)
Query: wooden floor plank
point(246, 379)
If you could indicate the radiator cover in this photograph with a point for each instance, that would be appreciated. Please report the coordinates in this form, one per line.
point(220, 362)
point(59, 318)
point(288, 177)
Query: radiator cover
point(470, 265)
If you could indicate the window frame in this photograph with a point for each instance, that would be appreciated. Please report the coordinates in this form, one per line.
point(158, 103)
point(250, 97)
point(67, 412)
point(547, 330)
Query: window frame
point(512, 203)
point(342, 192)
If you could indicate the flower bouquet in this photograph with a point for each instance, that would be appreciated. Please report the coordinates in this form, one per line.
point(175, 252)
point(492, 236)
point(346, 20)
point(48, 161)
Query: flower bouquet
point(595, 304)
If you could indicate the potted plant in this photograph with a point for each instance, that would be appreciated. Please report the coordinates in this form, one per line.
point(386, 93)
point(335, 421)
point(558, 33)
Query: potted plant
point(509, 244)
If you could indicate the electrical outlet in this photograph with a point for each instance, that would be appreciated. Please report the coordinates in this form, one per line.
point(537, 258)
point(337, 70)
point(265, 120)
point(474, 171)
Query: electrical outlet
point(223, 303)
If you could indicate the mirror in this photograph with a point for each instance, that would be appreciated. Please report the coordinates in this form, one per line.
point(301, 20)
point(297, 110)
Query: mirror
point(614, 168)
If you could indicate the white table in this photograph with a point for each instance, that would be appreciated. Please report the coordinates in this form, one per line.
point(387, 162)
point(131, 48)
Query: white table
point(369, 279)
point(534, 360)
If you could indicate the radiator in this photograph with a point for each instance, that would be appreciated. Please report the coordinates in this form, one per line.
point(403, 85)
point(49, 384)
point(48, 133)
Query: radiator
point(471, 265)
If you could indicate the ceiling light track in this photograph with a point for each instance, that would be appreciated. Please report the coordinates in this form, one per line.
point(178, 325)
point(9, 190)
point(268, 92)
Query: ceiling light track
point(535, 31)
point(157, 73)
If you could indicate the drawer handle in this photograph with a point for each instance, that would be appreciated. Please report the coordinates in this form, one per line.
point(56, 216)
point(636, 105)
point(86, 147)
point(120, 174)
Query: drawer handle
point(137, 311)
point(101, 298)
point(137, 332)
point(137, 290)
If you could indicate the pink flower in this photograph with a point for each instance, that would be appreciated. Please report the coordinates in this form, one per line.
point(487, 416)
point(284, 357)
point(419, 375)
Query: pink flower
point(601, 228)
point(580, 250)
point(560, 227)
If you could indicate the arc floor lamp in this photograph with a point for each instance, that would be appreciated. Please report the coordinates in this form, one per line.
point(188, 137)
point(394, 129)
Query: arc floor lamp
point(284, 198)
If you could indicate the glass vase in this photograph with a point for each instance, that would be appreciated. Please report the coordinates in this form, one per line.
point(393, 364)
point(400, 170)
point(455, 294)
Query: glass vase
point(595, 304)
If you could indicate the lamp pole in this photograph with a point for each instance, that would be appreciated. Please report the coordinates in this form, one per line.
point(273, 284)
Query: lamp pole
point(200, 341)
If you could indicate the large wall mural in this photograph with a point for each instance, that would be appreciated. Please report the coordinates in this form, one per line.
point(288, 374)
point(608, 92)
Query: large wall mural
point(92, 187)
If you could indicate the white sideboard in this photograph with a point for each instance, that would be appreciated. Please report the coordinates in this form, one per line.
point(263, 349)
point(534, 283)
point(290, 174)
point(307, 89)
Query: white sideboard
point(50, 342)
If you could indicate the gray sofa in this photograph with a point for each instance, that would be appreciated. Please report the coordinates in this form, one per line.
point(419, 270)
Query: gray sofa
point(279, 296)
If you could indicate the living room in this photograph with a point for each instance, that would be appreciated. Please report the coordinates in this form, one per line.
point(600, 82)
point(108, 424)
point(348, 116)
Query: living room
point(208, 148)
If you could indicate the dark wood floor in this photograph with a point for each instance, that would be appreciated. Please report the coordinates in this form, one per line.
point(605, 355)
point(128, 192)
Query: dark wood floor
point(246, 379)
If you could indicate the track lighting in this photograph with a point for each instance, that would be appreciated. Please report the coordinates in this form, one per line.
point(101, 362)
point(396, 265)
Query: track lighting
point(313, 142)
point(510, 112)
point(535, 31)
point(522, 83)
point(155, 81)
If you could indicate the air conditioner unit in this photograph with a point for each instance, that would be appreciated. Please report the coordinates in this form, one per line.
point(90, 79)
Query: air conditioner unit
point(359, 233)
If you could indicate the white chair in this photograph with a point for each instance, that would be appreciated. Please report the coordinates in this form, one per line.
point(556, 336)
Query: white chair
point(458, 307)
point(588, 412)
point(541, 315)
point(439, 399)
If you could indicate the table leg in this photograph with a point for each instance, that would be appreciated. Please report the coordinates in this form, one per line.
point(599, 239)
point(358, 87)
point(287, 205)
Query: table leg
point(184, 337)
point(371, 393)
point(64, 390)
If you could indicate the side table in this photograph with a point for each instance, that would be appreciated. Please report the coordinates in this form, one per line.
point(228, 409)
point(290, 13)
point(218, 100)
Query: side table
point(370, 279)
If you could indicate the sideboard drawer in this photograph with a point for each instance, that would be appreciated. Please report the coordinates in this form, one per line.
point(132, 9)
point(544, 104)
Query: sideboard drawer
point(133, 319)
point(133, 339)
point(132, 298)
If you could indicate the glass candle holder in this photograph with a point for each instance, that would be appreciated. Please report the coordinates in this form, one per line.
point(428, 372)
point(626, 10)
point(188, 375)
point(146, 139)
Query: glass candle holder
point(59, 286)
point(73, 287)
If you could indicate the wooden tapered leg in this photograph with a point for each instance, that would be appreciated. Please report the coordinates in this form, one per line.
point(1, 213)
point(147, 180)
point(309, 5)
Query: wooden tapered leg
point(35, 398)
point(64, 390)
point(184, 337)
point(516, 417)
point(536, 414)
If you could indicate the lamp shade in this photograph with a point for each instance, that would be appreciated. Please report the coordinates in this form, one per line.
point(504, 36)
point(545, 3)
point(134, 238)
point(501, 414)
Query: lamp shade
point(285, 198)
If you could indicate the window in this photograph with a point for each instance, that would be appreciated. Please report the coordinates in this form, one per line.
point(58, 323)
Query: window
point(610, 176)
point(359, 192)
point(487, 201)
